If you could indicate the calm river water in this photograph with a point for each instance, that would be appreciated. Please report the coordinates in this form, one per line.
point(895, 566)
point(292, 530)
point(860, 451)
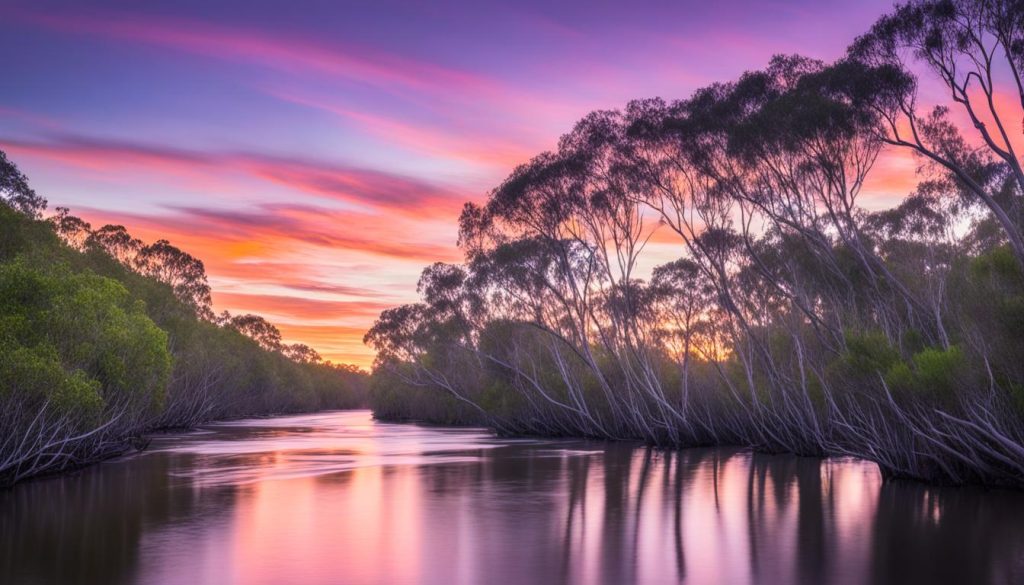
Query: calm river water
point(338, 498)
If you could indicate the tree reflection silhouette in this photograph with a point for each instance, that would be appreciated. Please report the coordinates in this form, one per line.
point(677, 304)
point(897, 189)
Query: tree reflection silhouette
point(467, 508)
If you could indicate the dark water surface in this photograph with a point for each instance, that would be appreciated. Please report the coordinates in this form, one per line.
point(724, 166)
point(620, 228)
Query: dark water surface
point(337, 498)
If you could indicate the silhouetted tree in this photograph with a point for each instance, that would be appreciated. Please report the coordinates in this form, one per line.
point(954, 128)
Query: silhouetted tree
point(184, 273)
point(14, 190)
point(117, 242)
point(301, 353)
point(258, 329)
point(73, 230)
point(967, 45)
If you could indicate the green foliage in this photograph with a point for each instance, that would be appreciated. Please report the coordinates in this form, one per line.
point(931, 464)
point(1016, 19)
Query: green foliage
point(931, 373)
point(937, 368)
point(1011, 314)
point(393, 398)
point(870, 351)
point(997, 265)
point(867, 357)
point(1016, 394)
point(900, 377)
point(89, 325)
point(36, 375)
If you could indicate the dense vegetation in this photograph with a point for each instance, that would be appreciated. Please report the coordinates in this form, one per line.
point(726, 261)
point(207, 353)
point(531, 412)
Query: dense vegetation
point(793, 319)
point(103, 338)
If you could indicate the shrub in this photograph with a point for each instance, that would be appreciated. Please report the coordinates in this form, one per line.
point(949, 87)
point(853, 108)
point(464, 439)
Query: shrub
point(85, 325)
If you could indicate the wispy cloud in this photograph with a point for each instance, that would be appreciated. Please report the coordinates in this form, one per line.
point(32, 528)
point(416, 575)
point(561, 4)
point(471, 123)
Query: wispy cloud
point(277, 229)
point(300, 309)
point(453, 143)
point(285, 52)
point(368, 189)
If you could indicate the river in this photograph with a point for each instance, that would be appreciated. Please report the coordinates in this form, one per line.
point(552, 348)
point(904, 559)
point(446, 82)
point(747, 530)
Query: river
point(338, 498)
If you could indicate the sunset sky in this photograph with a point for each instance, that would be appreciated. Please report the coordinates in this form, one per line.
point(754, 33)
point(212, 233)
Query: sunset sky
point(315, 154)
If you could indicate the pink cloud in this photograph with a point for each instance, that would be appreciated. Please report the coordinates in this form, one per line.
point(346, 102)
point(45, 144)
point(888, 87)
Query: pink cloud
point(287, 53)
point(298, 308)
point(496, 154)
point(412, 78)
point(367, 188)
point(226, 235)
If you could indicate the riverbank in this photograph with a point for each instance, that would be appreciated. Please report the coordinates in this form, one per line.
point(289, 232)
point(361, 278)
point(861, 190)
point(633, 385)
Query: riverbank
point(93, 453)
point(104, 338)
point(903, 459)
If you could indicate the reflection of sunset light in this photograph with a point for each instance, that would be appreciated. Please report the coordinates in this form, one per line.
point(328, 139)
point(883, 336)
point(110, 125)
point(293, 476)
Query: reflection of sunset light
point(337, 497)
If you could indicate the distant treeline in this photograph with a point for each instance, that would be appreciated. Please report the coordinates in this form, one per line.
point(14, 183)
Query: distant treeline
point(793, 319)
point(103, 338)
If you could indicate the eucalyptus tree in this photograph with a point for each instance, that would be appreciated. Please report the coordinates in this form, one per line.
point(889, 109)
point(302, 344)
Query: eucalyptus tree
point(302, 353)
point(971, 47)
point(117, 242)
point(811, 150)
point(528, 244)
point(184, 273)
point(257, 329)
point(538, 296)
point(776, 161)
point(576, 206)
point(417, 348)
point(918, 240)
point(682, 153)
point(15, 190)
point(435, 345)
point(684, 305)
point(74, 231)
point(671, 152)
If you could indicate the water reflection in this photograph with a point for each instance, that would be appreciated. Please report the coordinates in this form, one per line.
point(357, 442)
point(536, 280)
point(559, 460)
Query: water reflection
point(340, 499)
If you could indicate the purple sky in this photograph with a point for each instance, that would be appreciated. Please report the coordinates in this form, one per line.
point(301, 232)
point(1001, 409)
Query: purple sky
point(315, 154)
